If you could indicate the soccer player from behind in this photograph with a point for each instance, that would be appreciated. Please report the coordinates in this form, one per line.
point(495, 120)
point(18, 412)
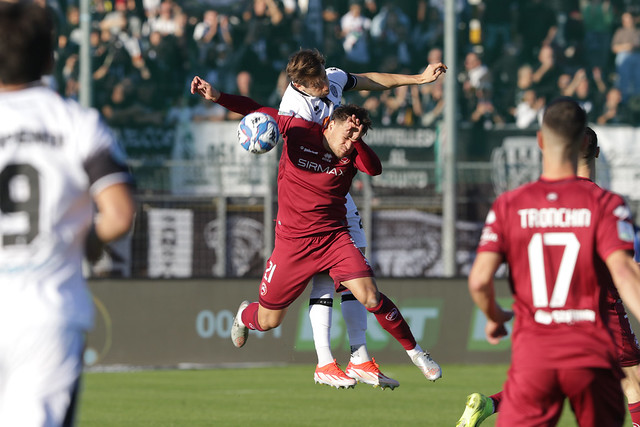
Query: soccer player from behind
point(315, 172)
point(573, 231)
point(313, 94)
point(56, 160)
point(479, 407)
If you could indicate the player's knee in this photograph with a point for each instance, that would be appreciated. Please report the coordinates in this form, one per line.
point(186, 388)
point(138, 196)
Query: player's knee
point(370, 299)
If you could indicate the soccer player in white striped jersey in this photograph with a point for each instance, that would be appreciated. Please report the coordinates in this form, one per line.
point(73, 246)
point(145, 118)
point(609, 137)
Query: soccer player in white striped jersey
point(56, 160)
point(313, 94)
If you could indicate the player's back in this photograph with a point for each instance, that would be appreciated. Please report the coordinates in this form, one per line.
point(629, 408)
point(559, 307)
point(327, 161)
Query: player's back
point(47, 145)
point(551, 233)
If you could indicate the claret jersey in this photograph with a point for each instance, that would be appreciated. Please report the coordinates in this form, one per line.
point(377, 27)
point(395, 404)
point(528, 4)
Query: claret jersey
point(312, 182)
point(316, 110)
point(54, 155)
point(555, 236)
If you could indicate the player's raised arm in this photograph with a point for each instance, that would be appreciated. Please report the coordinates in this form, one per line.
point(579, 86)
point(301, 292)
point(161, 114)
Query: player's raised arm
point(238, 104)
point(203, 88)
point(384, 81)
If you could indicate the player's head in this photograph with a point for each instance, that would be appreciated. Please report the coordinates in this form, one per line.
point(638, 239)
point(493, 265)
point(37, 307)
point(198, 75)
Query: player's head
point(26, 42)
point(563, 125)
point(590, 149)
point(306, 71)
point(340, 130)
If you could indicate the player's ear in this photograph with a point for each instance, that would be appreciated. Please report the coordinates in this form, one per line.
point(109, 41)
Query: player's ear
point(539, 138)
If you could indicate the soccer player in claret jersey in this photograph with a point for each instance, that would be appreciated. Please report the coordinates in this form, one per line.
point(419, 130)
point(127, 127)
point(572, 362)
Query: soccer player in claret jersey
point(316, 169)
point(313, 94)
point(572, 231)
point(479, 407)
point(56, 160)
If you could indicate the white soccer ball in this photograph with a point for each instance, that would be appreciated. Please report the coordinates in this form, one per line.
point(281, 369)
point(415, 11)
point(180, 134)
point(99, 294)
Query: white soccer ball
point(258, 132)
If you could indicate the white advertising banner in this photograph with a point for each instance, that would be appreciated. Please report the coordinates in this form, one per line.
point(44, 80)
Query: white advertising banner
point(618, 167)
point(170, 242)
point(208, 160)
point(518, 161)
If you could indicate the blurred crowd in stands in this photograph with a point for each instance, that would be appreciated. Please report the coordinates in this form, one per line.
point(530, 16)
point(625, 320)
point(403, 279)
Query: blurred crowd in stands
point(513, 55)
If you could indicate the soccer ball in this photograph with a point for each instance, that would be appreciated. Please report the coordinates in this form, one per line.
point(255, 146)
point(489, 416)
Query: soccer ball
point(258, 132)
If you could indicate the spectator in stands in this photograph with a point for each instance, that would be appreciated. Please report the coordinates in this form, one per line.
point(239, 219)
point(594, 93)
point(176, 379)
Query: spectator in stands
point(614, 111)
point(528, 110)
point(475, 78)
point(477, 73)
point(393, 37)
point(244, 85)
point(431, 103)
point(168, 22)
point(213, 33)
point(497, 16)
point(428, 29)
point(524, 83)
point(570, 38)
point(485, 114)
point(598, 17)
point(399, 106)
point(537, 27)
point(354, 29)
point(581, 90)
point(626, 46)
point(259, 45)
point(545, 76)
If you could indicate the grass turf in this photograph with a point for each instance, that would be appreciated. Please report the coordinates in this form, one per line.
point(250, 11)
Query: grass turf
point(282, 396)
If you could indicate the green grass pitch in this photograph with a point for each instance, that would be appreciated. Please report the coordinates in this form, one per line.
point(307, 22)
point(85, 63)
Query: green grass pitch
point(282, 396)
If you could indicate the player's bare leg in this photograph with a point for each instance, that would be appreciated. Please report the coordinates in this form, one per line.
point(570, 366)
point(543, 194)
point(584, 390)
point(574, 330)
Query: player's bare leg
point(631, 387)
point(391, 320)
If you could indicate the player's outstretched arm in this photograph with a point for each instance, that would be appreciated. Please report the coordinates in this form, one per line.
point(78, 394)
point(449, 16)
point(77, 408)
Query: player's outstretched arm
point(384, 81)
point(236, 103)
point(203, 88)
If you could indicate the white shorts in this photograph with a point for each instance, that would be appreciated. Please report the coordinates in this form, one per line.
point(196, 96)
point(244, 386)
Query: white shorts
point(355, 223)
point(40, 367)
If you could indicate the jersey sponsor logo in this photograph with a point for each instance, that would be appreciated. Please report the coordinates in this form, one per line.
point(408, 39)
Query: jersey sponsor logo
point(327, 157)
point(564, 316)
point(307, 150)
point(391, 316)
point(554, 217)
point(625, 231)
point(313, 166)
point(34, 137)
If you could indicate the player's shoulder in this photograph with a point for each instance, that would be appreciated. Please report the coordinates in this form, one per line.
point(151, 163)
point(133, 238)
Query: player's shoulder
point(337, 76)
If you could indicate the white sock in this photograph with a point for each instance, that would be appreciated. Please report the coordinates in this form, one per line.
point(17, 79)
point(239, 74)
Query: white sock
point(416, 350)
point(359, 354)
point(320, 315)
point(355, 317)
